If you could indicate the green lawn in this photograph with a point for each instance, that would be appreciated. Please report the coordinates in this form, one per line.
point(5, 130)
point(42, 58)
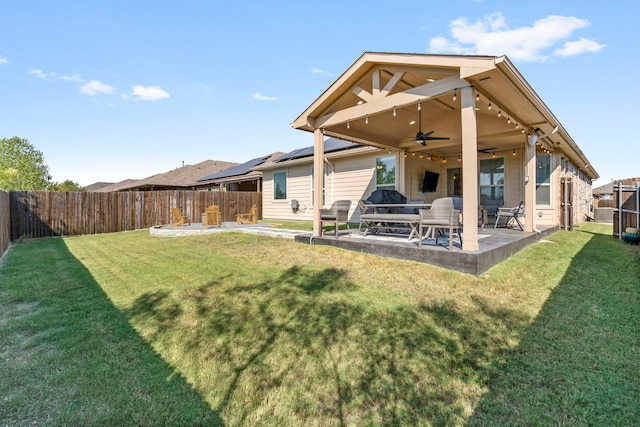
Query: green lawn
point(233, 329)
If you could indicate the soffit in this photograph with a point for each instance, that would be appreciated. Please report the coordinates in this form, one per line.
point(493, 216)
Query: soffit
point(375, 102)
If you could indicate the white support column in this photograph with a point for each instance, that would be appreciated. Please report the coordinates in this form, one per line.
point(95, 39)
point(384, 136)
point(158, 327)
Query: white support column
point(530, 185)
point(318, 171)
point(469, 170)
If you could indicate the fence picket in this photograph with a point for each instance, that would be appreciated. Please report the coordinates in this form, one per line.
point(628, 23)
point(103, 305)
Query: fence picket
point(34, 214)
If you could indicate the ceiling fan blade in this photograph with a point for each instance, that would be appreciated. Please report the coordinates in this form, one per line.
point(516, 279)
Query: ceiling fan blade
point(436, 138)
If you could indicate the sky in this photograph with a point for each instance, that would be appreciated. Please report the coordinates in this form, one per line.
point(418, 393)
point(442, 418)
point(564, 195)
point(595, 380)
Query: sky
point(112, 90)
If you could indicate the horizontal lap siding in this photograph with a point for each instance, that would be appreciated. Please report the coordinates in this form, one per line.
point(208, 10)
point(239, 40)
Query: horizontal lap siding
point(349, 178)
point(35, 214)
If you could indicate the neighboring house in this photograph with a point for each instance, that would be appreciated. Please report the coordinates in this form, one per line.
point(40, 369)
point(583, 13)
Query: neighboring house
point(495, 142)
point(118, 186)
point(242, 177)
point(182, 178)
point(603, 195)
point(97, 185)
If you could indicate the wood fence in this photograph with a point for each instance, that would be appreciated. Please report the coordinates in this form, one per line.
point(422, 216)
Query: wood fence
point(626, 212)
point(37, 214)
point(5, 222)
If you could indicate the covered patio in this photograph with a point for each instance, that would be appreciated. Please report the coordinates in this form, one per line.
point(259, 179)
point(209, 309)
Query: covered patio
point(494, 246)
point(445, 108)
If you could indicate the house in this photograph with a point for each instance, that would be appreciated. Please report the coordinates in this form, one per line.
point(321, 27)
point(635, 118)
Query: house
point(241, 177)
point(182, 178)
point(603, 195)
point(471, 121)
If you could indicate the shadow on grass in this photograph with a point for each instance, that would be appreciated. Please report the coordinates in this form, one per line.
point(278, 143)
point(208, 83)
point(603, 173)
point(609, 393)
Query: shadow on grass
point(578, 362)
point(305, 347)
point(68, 356)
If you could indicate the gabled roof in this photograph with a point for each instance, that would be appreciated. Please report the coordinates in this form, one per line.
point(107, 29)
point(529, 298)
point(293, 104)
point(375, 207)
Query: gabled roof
point(244, 170)
point(118, 186)
point(97, 185)
point(380, 100)
point(330, 145)
point(182, 177)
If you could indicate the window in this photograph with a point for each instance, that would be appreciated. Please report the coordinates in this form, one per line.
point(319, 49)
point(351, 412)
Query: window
point(454, 182)
point(386, 173)
point(280, 185)
point(324, 175)
point(491, 179)
point(543, 179)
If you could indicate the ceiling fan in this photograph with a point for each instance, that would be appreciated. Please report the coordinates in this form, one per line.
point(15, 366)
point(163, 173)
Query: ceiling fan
point(423, 137)
point(486, 150)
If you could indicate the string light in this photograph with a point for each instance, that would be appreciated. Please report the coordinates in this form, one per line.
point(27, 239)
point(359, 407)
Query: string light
point(455, 97)
point(459, 159)
point(477, 96)
point(348, 125)
point(394, 111)
point(366, 119)
point(489, 108)
point(421, 155)
point(514, 153)
point(405, 154)
point(499, 112)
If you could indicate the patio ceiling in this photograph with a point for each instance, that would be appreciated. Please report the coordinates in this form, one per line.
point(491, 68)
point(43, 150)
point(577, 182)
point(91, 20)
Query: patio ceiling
point(375, 102)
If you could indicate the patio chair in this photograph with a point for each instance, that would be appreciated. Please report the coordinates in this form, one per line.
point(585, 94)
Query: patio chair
point(211, 216)
point(250, 218)
point(177, 219)
point(337, 213)
point(512, 215)
point(443, 215)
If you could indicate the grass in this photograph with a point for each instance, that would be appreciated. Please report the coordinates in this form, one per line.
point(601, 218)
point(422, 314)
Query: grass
point(233, 329)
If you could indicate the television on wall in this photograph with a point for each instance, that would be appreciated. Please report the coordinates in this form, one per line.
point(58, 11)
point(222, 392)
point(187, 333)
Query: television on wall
point(429, 182)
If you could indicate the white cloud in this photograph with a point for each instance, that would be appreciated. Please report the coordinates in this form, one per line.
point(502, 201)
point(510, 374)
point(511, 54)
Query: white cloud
point(42, 75)
point(492, 36)
point(94, 87)
point(4, 61)
point(577, 48)
point(149, 93)
point(262, 97)
point(74, 78)
point(317, 71)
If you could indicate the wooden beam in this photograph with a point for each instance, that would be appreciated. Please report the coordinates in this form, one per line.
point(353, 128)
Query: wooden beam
point(410, 96)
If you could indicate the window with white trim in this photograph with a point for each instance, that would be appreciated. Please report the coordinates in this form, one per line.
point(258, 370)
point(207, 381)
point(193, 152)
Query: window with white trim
point(280, 185)
point(386, 173)
point(491, 179)
point(543, 179)
point(324, 181)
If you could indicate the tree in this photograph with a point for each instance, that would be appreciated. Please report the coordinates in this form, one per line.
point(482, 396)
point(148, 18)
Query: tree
point(68, 185)
point(22, 166)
